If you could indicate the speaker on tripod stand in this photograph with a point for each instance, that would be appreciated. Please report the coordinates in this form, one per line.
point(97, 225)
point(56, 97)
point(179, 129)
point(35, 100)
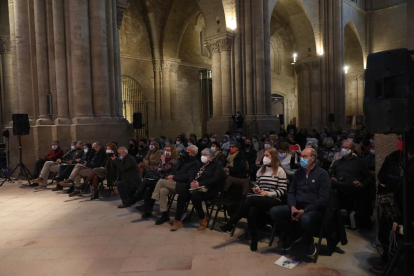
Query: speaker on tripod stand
point(21, 126)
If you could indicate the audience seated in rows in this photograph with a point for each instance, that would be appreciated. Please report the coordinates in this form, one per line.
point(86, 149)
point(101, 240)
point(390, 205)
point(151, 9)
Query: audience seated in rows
point(54, 155)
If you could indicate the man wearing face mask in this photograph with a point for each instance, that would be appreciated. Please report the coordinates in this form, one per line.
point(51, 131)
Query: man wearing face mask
point(349, 175)
point(129, 177)
point(54, 155)
point(225, 145)
point(308, 193)
point(142, 151)
point(83, 170)
point(257, 144)
point(176, 183)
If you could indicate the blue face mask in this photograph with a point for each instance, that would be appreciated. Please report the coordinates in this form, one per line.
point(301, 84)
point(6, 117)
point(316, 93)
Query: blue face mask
point(120, 157)
point(304, 162)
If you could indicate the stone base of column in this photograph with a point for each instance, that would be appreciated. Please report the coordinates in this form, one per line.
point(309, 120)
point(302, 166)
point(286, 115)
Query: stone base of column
point(37, 143)
point(260, 123)
point(63, 121)
point(43, 121)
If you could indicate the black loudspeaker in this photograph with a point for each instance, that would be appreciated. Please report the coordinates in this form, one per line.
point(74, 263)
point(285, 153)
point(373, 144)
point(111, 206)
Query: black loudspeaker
point(21, 125)
point(331, 117)
point(389, 92)
point(137, 121)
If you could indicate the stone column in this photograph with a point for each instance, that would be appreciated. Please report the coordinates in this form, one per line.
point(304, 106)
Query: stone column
point(7, 81)
point(99, 58)
point(14, 106)
point(268, 72)
point(157, 66)
point(248, 59)
point(361, 93)
point(174, 90)
point(410, 25)
point(238, 60)
point(259, 58)
point(111, 58)
point(42, 61)
point(23, 58)
point(166, 93)
point(60, 63)
point(225, 45)
point(80, 60)
point(216, 76)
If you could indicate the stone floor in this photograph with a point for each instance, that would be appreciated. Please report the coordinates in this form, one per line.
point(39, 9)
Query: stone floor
point(48, 233)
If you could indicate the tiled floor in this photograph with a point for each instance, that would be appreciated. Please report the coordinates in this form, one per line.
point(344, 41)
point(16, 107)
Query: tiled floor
point(48, 233)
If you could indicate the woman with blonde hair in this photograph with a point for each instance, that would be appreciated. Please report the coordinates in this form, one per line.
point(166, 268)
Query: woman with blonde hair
point(270, 187)
point(152, 158)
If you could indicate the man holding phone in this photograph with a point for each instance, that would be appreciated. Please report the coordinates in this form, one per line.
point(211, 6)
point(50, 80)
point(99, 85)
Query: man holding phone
point(308, 193)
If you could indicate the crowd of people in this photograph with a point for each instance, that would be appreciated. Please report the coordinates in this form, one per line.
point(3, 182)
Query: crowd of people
point(287, 176)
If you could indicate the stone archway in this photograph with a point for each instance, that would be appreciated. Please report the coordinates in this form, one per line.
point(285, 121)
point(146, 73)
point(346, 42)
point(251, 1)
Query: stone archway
point(354, 71)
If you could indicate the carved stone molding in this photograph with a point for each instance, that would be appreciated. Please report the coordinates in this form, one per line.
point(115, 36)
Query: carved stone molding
point(174, 67)
point(5, 44)
point(121, 7)
point(220, 44)
point(306, 66)
point(157, 65)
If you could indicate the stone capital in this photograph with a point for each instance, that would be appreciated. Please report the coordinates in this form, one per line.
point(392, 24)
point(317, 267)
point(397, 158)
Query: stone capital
point(157, 65)
point(219, 44)
point(5, 44)
point(121, 7)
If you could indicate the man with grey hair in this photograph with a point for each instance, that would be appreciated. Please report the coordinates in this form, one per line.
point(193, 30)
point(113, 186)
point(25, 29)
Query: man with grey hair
point(54, 155)
point(349, 174)
point(176, 183)
point(83, 170)
point(308, 193)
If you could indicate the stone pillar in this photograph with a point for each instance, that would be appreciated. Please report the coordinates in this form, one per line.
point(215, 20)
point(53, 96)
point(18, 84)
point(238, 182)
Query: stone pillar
point(166, 93)
point(248, 59)
point(7, 81)
point(99, 58)
point(268, 72)
point(60, 63)
point(80, 60)
point(157, 66)
point(361, 93)
point(410, 25)
point(238, 60)
point(259, 58)
point(174, 90)
point(111, 57)
point(14, 99)
point(121, 7)
point(216, 76)
point(23, 58)
point(42, 61)
point(225, 45)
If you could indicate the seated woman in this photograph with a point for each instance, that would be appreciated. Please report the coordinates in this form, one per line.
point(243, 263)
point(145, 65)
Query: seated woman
point(218, 154)
point(250, 153)
point(236, 169)
point(107, 171)
point(179, 144)
point(145, 190)
point(271, 187)
point(206, 181)
point(267, 145)
point(287, 161)
point(151, 159)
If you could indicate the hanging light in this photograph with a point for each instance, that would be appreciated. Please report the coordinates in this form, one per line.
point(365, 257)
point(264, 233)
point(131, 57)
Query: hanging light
point(346, 68)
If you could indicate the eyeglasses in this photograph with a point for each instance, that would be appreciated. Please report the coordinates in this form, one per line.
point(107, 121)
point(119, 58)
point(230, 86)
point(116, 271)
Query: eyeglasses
point(233, 147)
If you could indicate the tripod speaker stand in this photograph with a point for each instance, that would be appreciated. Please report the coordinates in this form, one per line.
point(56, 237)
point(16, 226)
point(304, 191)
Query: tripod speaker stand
point(24, 171)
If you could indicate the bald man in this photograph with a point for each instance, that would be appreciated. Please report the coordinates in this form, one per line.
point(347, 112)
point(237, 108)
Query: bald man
point(308, 193)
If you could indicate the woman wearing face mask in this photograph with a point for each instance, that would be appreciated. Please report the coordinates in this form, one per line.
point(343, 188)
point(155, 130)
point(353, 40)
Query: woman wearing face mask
point(270, 188)
point(108, 171)
point(236, 169)
point(179, 146)
point(257, 144)
point(267, 145)
point(145, 190)
point(133, 147)
point(205, 184)
point(225, 145)
point(288, 162)
point(218, 154)
point(151, 159)
point(328, 152)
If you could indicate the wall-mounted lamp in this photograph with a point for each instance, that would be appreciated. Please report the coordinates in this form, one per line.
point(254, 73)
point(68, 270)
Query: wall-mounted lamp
point(320, 52)
point(295, 57)
point(346, 68)
point(232, 23)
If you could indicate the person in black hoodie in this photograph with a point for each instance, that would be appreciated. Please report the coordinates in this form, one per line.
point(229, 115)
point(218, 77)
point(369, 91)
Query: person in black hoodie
point(178, 182)
point(206, 183)
point(84, 169)
point(236, 169)
point(133, 147)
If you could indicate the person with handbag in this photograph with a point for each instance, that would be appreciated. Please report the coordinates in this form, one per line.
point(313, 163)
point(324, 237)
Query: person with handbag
point(129, 177)
point(145, 190)
point(270, 188)
point(205, 184)
point(150, 160)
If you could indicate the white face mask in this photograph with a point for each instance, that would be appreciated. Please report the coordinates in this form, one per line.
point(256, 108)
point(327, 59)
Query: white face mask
point(167, 153)
point(254, 140)
point(213, 149)
point(54, 147)
point(212, 140)
point(282, 155)
point(266, 146)
point(151, 147)
point(350, 140)
point(85, 150)
point(109, 151)
point(372, 151)
point(266, 160)
point(189, 144)
point(345, 152)
point(177, 142)
point(72, 147)
point(204, 159)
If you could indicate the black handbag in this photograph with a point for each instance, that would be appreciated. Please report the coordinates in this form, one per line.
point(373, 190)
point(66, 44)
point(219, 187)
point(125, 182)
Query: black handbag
point(152, 176)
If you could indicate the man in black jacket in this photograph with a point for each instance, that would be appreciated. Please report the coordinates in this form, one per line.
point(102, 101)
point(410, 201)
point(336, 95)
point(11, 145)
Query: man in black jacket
point(129, 177)
point(308, 193)
point(236, 169)
point(178, 182)
point(83, 170)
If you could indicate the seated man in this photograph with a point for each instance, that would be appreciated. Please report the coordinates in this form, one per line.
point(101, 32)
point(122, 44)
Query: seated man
point(54, 155)
point(84, 169)
point(129, 178)
point(177, 182)
point(308, 193)
point(142, 151)
point(52, 166)
point(349, 174)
